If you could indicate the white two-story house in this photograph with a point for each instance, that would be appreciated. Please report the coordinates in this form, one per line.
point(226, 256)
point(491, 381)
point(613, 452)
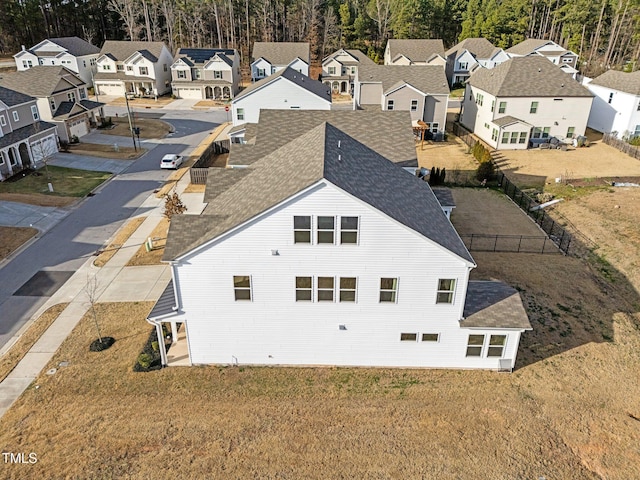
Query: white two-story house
point(326, 253)
point(526, 99)
point(206, 73)
point(339, 69)
point(616, 105)
point(24, 138)
point(135, 68)
point(268, 58)
point(556, 54)
point(414, 52)
point(73, 53)
point(470, 54)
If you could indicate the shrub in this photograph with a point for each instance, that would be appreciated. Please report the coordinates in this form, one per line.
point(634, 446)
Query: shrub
point(64, 146)
point(485, 171)
point(635, 141)
point(144, 359)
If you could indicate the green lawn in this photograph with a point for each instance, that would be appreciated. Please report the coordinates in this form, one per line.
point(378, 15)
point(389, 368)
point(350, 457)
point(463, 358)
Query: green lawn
point(67, 182)
point(457, 93)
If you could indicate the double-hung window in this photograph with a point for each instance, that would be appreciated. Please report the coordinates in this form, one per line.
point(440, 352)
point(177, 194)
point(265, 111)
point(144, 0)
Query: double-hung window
point(414, 105)
point(71, 96)
point(304, 289)
point(332, 70)
point(34, 112)
point(502, 107)
point(326, 289)
point(348, 289)
point(446, 287)
point(388, 289)
point(326, 229)
point(217, 74)
point(390, 104)
point(16, 117)
point(301, 229)
point(242, 287)
point(496, 345)
point(144, 71)
point(240, 113)
point(348, 230)
point(474, 345)
point(534, 107)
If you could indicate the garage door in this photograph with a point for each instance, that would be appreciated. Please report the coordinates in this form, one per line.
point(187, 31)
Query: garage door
point(44, 147)
point(78, 128)
point(194, 93)
point(110, 89)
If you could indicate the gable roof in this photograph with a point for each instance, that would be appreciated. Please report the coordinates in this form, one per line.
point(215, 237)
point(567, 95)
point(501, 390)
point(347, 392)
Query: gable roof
point(280, 53)
point(533, 76)
point(621, 81)
point(41, 80)
point(359, 58)
point(426, 78)
point(75, 46)
point(327, 153)
point(491, 304)
point(11, 98)
point(478, 47)
point(201, 56)
point(416, 50)
point(528, 46)
point(121, 50)
point(313, 86)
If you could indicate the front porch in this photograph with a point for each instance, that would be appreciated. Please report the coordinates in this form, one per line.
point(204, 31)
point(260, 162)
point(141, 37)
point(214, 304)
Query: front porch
point(20, 151)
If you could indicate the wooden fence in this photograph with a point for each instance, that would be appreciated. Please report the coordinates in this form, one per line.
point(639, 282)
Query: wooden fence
point(621, 145)
point(200, 169)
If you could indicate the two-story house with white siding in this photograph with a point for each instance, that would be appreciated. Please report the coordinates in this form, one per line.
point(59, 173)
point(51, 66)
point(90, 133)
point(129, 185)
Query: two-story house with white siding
point(24, 139)
point(135, 68)
point(616, 105)
point(326, 253)
point(414, 52)
point(73, 53)
point(339, 69)
point(421, 90)
point(268, 58)
point(524, 100)
point(287, 89)
point(206, 73)
point(556, 54)
point(470, 54)
point(61, 98)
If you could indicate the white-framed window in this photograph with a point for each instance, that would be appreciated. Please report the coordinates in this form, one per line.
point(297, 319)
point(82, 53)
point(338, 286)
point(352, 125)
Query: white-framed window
point(541, 132)
point(610, 97)
point(332, 70)
point(83, 93)
point(16, 117)
point(572, 130)
point(106, 67)
point(92, 61)
point(388, 289)
point(52, 102)
point(182, 74)
point(495, 348)
point(27, 63)
point(41, 61)
point(273, 70)
point(446, 287)
point(326, 288)
point(464, 65)
point(523, 137)
point(390, 104)
point(119, 68)
point(474, 345)
point(496, 345)
point(414, 105)
point(261, 72)
point(129, 68)
point(493, 105)
point(326, 229)
point(408, 337)
point(479, 99)
point(3, 121)
point(240, 113)
point(534, 107)
point(217, 74)
point(502, 107)
point(348, 289)
point(71, 96)
point(301, 229)
point(434, 127)
point(505, 137)
point(636, 131)
point(486, 125)
point(349, 230)
point(144, 71)
point(84, 63)
point(514, 137)
point(567, 60)
point(34, 112)
point(242, 287)
point(304, 289)
point(430, 337)
point(494, 134)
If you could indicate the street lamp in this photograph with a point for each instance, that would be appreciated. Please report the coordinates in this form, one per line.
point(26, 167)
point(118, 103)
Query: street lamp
point(126, 98)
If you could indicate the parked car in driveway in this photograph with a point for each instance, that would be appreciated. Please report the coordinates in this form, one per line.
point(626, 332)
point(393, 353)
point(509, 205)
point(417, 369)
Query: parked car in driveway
point(171, 160)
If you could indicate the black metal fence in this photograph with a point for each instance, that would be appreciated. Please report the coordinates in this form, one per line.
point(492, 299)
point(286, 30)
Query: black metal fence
point(509, 243)
point(621, 145)
point(200, 168)
point(463, 134)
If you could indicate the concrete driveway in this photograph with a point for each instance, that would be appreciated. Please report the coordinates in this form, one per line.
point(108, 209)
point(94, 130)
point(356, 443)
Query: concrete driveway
point(13, 214)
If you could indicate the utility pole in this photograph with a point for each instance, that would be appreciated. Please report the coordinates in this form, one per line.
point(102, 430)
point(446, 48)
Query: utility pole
point(133, 137)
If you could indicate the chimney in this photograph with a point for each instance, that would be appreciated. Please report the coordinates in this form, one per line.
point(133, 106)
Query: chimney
point(23, 49)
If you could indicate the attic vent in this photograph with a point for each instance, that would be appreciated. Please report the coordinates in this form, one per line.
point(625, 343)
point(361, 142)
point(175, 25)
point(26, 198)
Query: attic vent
point(338, 143)
point(339, 157)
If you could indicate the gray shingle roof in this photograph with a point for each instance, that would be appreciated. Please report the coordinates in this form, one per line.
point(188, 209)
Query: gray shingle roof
point(508, 120)
point(621, 81)
point(121, 50)
point(219, 180)
point(444, 196)
point(76, 46)
point(387, 132)
point(533, 76)
point(324, 152)
point(429, 79)
point(164, 305)
point(527, 46)
point(494, 305)
point(25, 132)
point(148, 55)
point(280, 53)
point(478, 47)
point(11, 98)
point(41, 81)
point(363, 59)
point(416, 50)
point(313, 86)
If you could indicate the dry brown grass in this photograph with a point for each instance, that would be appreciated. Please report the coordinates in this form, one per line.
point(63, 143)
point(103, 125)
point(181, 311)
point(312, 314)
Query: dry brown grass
point(19, 349)
point(38, 199)
point(143, 102)
point(453, 155)
point(12, 238)
point(142, 257)
point(122, 235)
point(106, 151)
point(149, 128)
point(193, 188)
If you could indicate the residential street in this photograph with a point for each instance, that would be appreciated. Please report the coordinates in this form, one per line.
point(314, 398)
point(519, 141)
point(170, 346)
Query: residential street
point(68, 244)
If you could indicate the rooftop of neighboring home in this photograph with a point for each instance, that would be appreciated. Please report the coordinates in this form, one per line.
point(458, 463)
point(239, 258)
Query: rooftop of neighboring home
point(359, 57)
point(12, 98)
point(323, 152)
point(533, 76)
point(73, 45)
point(280, 53)
point(41, 80)
point(478, 47)
point(429, 79)
point(529, 46)
point(200, 56)
point(121, 50)
point(416, 50)
point(313, 86)
point(621, 81)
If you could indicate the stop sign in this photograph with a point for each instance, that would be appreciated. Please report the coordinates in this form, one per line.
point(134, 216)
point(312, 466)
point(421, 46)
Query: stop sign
point(226, 108)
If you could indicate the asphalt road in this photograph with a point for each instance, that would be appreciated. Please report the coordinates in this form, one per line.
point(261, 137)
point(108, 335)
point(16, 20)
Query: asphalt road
point(68, 244)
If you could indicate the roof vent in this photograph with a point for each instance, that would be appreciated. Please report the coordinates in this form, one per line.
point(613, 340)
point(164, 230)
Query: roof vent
point(539, 69)
point(338, 143)
point(562, 85)
point(339, 157)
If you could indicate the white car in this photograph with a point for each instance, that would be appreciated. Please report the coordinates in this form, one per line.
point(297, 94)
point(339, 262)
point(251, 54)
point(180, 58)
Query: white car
point(171, 161)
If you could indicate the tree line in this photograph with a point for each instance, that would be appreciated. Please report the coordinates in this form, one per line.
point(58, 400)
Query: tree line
point(605, 33)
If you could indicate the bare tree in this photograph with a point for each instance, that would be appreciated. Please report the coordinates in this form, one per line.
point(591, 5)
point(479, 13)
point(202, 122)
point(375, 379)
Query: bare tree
point(91, 290)
point(43, 151)
point(129, 11)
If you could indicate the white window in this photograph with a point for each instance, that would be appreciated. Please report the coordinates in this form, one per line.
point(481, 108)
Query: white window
point(27, 63)
point(240, 113)
point(496, 345)
point(34, 112)
point(144, 71)
point(83, 93)
point(523, 137)
point(129, 68)
point(408, 337)
point(301, 229)
point(326, 229)
point(349, 230)
point(494, 134)
point(197, 74)
point(304, 289)
point(353, 70)
point(119, 68)
point(261, 72)
point(464, 65)
point(71, 96)
point(610, 97)
point(242, 287)
point(534, 107)
point(505, 137)
point(388, 289)
point(502, 107)
point(3, 121)
point(390, 103)
point(84, 63)
point(446, 288)
point(332, 70)
point(182, 74)
point(479, 99)
point(636, 131)
point(325, 289)
point(217, 74)
point(474, 345)
point(414, 105)
point(106, 67)
point(348, 289)
point(52, 102)
point(92, 61)
point(16, 117)
point(434, 127)
point(273, 70)
point(493, 105)
point(430, 337)
point(571, 131)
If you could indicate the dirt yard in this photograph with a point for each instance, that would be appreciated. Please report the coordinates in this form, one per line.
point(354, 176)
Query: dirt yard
point(12, 238)
point(149, 128)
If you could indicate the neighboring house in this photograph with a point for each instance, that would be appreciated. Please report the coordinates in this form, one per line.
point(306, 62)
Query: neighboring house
point(324, 252)
point(268, 58)
point(286, 90)
point(24, 139)
point(421, 90)
point(137, 68)
point(339, 69)
point(414, 52)
point(523, 99)
point(205, 73)
point(547, 49)
point(61, 97)
point(74, 53)
point(616, 105)
point(470, 54)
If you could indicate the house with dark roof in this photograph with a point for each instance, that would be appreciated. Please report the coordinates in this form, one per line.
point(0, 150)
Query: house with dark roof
point(414, 52)
point(339, 69)
point(616, 103)
point(323, 252)
point(288, 89)
point(525, 100)
point(61, 97)
point(421, 90)
point(206, 73)
point(556, 54)
point(268, 58)
point(468, 55)
point(25, 140)
point(135, 68)
point(73, 53)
